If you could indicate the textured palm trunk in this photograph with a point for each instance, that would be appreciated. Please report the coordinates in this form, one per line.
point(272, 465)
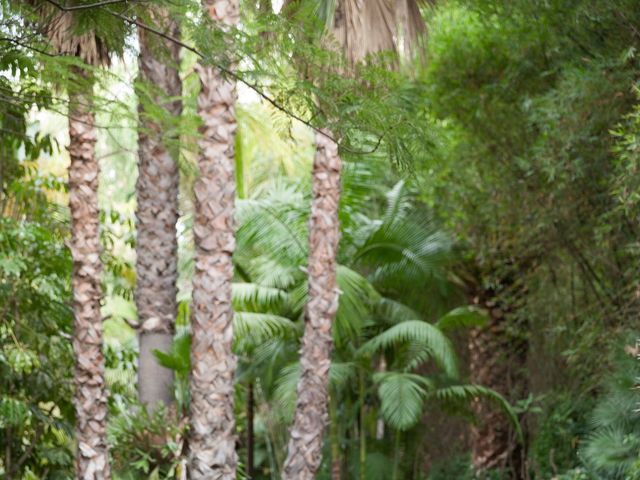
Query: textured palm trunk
point(498, 361)
point(157, 213)
point(92, 462)
point(306, 435)
point(212, 434)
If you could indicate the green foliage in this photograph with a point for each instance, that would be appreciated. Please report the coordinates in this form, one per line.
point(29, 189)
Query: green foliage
point(36, 359)
point(611, 450)
point(402, 398)
point(417, 332)
point(146, 446)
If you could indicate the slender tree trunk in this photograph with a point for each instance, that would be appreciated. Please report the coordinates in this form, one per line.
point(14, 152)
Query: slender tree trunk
point(212, 434)
point(362, 427)
point(92, 460)
point(250, 435)
point(336, 460)
point(306, 435)
point(157, 212)
point(497, 360)
point(397, 455)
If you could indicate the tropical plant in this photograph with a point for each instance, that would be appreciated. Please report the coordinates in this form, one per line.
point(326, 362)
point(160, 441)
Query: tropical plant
point(612, 449)
point(36, 356)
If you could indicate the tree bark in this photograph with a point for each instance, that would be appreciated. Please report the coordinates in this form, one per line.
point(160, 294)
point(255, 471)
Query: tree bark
point(92, 460)
point(157, 211)
point(306, 434)
point(212, 434)
point(497, 360)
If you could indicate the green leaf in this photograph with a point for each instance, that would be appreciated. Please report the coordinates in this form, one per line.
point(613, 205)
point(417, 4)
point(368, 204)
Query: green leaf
point(466, 393)
point(462, 317)
point(419, 332)
point(402, 397)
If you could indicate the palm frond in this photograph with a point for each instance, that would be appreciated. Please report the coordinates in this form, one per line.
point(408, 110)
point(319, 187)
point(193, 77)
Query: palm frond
point(257, 298)
point(419, 332)
point(402, 397)
point(357, 297)
point(274, 226)
point(285, 393)
point(612, 450)
point(392, 311)
point(462, 317)
point(464, 394)
point(401, 247)
point(254, 328)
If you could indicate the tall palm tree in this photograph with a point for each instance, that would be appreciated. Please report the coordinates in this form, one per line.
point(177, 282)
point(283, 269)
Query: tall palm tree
point(359, 28)
point(92, 459)
point(157, 211)
point(306, 435)
point(213, 364)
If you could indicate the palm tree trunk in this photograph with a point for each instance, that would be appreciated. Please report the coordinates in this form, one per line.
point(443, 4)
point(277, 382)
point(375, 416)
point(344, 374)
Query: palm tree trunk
point(306, 435)
point(497, 360)
point(212, 434)
point(92, 460)
point(157, 213)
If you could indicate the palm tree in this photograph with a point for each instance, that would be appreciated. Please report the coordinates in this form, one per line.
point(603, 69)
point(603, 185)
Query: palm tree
point(359, 28)
point(395, 250)
point(213, 364)
point(306, 436)
point(92, 459)
point(157, 211)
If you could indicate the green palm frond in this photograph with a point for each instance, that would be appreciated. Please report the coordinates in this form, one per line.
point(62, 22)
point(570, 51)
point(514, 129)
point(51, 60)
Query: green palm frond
point(274, 226)
point(254, 328)
point(357, 297)
point(285, 391)
point(402, 397)
point(340, 373)
point(462, 317)
point(460, 395)
point(398, 203)
point(257, 298)
point(420, 332)
point(403, 249)
point(612, 450)
point(392, 311)
point(268, 272)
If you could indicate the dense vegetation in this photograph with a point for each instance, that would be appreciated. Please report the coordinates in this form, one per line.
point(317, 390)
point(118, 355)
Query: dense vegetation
point(488, 295)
